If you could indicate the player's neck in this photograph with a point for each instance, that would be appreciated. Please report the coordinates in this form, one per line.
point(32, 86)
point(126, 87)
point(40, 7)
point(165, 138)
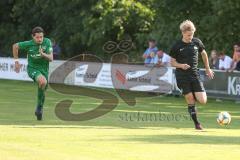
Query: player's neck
point(186, 40)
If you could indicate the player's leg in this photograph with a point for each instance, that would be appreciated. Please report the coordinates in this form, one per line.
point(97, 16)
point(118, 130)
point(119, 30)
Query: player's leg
point(199, 91)
point(190, 99)
point(186, 88)
point(42, 85)
point(36, 75)
point(201, 97)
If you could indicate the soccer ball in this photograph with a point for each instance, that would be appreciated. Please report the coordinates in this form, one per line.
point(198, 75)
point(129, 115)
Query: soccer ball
point(224, 118)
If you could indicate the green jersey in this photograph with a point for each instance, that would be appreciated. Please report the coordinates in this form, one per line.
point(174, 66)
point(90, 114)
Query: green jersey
point(35, 60)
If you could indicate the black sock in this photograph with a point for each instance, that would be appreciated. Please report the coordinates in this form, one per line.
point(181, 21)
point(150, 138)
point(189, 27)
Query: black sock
point(193, 113)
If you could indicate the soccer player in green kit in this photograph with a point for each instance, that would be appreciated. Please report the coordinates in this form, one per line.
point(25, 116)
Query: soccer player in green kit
point(39, 54)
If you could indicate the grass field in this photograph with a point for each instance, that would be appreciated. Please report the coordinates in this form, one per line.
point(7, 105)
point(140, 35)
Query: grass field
point(116, 135)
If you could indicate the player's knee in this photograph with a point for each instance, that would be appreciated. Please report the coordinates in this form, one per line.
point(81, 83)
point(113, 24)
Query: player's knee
point(190, 99)
point(202, 100)
point(42, 82)
point(44, 85)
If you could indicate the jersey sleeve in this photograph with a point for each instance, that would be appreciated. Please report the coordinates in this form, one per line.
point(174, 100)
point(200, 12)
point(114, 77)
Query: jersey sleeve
point(49, 48)
point(23, 45)
point(173, 51)
point(200, 45)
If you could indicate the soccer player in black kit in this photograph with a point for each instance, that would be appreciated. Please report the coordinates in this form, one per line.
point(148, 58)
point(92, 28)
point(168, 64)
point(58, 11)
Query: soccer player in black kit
point(184, 55)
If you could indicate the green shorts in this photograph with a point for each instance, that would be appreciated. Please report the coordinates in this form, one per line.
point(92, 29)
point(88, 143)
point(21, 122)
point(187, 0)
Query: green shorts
point(35, 73)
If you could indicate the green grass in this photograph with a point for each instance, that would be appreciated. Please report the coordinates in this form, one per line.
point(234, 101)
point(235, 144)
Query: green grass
point(116, 135)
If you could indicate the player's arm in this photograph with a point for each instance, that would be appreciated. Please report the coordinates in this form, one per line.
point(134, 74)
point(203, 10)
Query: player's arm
point(209, 72)
point(48, 56)
point(174, 63)
point(15, 49)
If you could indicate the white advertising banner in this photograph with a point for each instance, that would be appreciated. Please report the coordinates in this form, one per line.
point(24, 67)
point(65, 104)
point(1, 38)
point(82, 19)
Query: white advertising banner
point(7, 69)
point(124, 76)
point(101, 79)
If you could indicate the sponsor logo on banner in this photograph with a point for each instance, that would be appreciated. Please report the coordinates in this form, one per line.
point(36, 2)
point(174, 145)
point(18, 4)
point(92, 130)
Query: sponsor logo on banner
point(234, 85)
point(120, 77)
point(88, 75)
point(129, 77)
point(7, 69)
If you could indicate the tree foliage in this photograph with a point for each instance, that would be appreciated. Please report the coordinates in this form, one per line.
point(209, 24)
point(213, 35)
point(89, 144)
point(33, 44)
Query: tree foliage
point(85, 26)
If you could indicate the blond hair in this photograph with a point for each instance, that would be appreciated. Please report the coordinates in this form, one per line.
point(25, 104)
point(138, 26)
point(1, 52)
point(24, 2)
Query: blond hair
point(187, 25)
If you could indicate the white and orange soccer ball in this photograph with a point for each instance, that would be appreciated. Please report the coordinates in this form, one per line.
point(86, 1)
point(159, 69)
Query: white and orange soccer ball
point(224, 118)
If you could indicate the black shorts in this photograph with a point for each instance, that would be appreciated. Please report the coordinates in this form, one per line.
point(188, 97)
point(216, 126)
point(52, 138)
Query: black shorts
point(190, 86)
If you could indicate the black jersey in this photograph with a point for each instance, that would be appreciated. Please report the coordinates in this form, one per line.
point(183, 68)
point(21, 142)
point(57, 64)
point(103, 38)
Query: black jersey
point(187, 53)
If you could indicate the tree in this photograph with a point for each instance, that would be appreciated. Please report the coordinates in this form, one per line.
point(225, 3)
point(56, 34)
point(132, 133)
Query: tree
point(85, 26)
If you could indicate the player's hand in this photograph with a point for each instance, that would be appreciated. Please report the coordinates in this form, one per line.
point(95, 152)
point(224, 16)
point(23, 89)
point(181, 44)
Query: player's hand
point(185, 66)
point(17, 67)
point(210, 73)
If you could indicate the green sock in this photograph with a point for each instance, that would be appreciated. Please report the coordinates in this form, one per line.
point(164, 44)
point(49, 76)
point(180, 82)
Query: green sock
point(41, 97)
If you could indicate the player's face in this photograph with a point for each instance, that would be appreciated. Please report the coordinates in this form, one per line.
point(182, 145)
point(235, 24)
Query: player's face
point(188, 35)
point(38, 38)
